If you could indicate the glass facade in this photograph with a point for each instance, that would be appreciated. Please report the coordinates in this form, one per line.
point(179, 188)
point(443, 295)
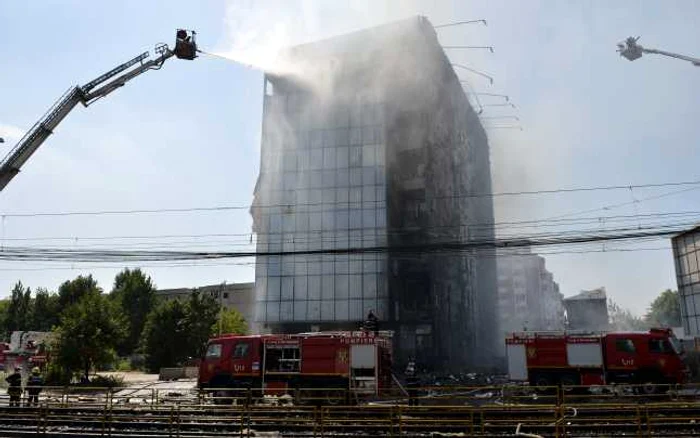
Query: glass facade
point(322, 187)
point(686, 252)
point(358, 154)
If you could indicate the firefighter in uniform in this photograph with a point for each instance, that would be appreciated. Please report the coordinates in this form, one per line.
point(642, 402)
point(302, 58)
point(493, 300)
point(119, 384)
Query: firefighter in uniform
point(34, 386)
point(371, 322)
point(14, 390)
point(412, 383)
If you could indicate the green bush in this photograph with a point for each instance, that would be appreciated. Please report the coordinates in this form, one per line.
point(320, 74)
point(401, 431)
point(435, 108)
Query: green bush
point(124, 365)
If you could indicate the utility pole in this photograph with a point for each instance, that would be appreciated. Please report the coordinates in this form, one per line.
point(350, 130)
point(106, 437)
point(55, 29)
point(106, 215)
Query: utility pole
point(221, 307)
point(630, 50)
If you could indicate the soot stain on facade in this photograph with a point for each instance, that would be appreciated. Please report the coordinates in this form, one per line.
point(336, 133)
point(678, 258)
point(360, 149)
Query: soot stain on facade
point(369, 141)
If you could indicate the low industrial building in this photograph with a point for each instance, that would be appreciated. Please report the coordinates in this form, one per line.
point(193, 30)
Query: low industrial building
point(588, 310)
point(528, 296)
point(239, 296)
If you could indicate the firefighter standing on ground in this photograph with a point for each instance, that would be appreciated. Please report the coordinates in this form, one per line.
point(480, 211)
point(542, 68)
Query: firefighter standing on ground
point(34, 386)
point(14, 390)
point(412, 383)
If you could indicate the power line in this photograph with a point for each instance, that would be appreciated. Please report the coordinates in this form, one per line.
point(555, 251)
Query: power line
point(55, 254)
point(624, 204)
point(220, 208)
point(252, 264)
point(692, 217)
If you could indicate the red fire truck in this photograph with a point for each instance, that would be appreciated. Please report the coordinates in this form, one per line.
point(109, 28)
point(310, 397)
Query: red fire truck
point(338, 366)
point(568, 358)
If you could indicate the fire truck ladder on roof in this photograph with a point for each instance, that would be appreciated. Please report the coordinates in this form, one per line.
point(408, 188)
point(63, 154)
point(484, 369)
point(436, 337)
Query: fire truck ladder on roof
point(347, 333)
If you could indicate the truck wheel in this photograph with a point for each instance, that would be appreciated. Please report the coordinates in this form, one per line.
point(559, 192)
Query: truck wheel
point(647, 388)
point(335, 397)
point(568, 383)
point(542, 383)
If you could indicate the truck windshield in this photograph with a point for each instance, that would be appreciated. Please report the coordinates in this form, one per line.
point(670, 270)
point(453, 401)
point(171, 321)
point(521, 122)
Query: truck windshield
point(213, 351)
point(676, 344)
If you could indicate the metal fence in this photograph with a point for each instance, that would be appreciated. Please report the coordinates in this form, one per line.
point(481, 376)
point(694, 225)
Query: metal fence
point(657, 419)
point(467, 411)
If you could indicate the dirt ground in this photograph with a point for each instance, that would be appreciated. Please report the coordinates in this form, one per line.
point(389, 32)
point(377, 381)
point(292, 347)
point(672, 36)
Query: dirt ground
point(132, 376)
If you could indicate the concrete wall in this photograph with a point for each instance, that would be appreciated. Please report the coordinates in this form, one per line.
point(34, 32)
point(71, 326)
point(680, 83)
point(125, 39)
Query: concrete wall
point(587, 314)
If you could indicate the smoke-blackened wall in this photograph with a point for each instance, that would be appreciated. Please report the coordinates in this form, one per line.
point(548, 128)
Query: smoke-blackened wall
point(401, 151)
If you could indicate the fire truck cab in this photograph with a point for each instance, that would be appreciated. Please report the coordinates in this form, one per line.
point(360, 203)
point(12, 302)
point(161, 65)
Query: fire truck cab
point(568, 358)
point(357, 364)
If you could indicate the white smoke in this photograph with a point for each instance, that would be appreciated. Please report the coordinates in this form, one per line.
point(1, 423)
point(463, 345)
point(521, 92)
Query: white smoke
point(256, 31)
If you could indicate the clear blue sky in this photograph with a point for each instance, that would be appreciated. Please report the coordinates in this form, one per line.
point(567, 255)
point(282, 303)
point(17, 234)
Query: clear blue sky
point(188, 136)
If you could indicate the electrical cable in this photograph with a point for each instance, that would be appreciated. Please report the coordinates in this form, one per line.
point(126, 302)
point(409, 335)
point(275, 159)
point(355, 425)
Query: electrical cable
point(256, 263)
point(335, 237)
point(284, 205)
point(53, 254)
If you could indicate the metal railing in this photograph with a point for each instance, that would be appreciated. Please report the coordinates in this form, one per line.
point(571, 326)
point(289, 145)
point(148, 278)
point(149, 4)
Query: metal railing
point(654, 419)
point(499, 396)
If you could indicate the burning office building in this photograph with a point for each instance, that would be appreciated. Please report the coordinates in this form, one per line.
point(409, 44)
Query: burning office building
point(369, 141)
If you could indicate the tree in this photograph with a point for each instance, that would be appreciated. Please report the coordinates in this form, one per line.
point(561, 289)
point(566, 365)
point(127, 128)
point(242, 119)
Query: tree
point(72, 291)
point(45, 311)
point(232, 321)
point(89, 331)
point(622, 319)
point(665, 310)
point(19, 310)
point(177, 331)
point(4, 306)
point(202, 313)
point(165, 335)
point(135, 294)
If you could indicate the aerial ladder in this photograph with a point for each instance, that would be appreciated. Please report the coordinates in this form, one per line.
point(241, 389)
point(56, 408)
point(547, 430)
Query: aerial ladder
point(11, 164)
point(631, 50)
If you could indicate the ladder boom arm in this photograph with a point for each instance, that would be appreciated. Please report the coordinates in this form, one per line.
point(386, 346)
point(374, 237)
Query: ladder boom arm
point(695, 61)
point(104, 90)
point(30, 142)
point(11, 164)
